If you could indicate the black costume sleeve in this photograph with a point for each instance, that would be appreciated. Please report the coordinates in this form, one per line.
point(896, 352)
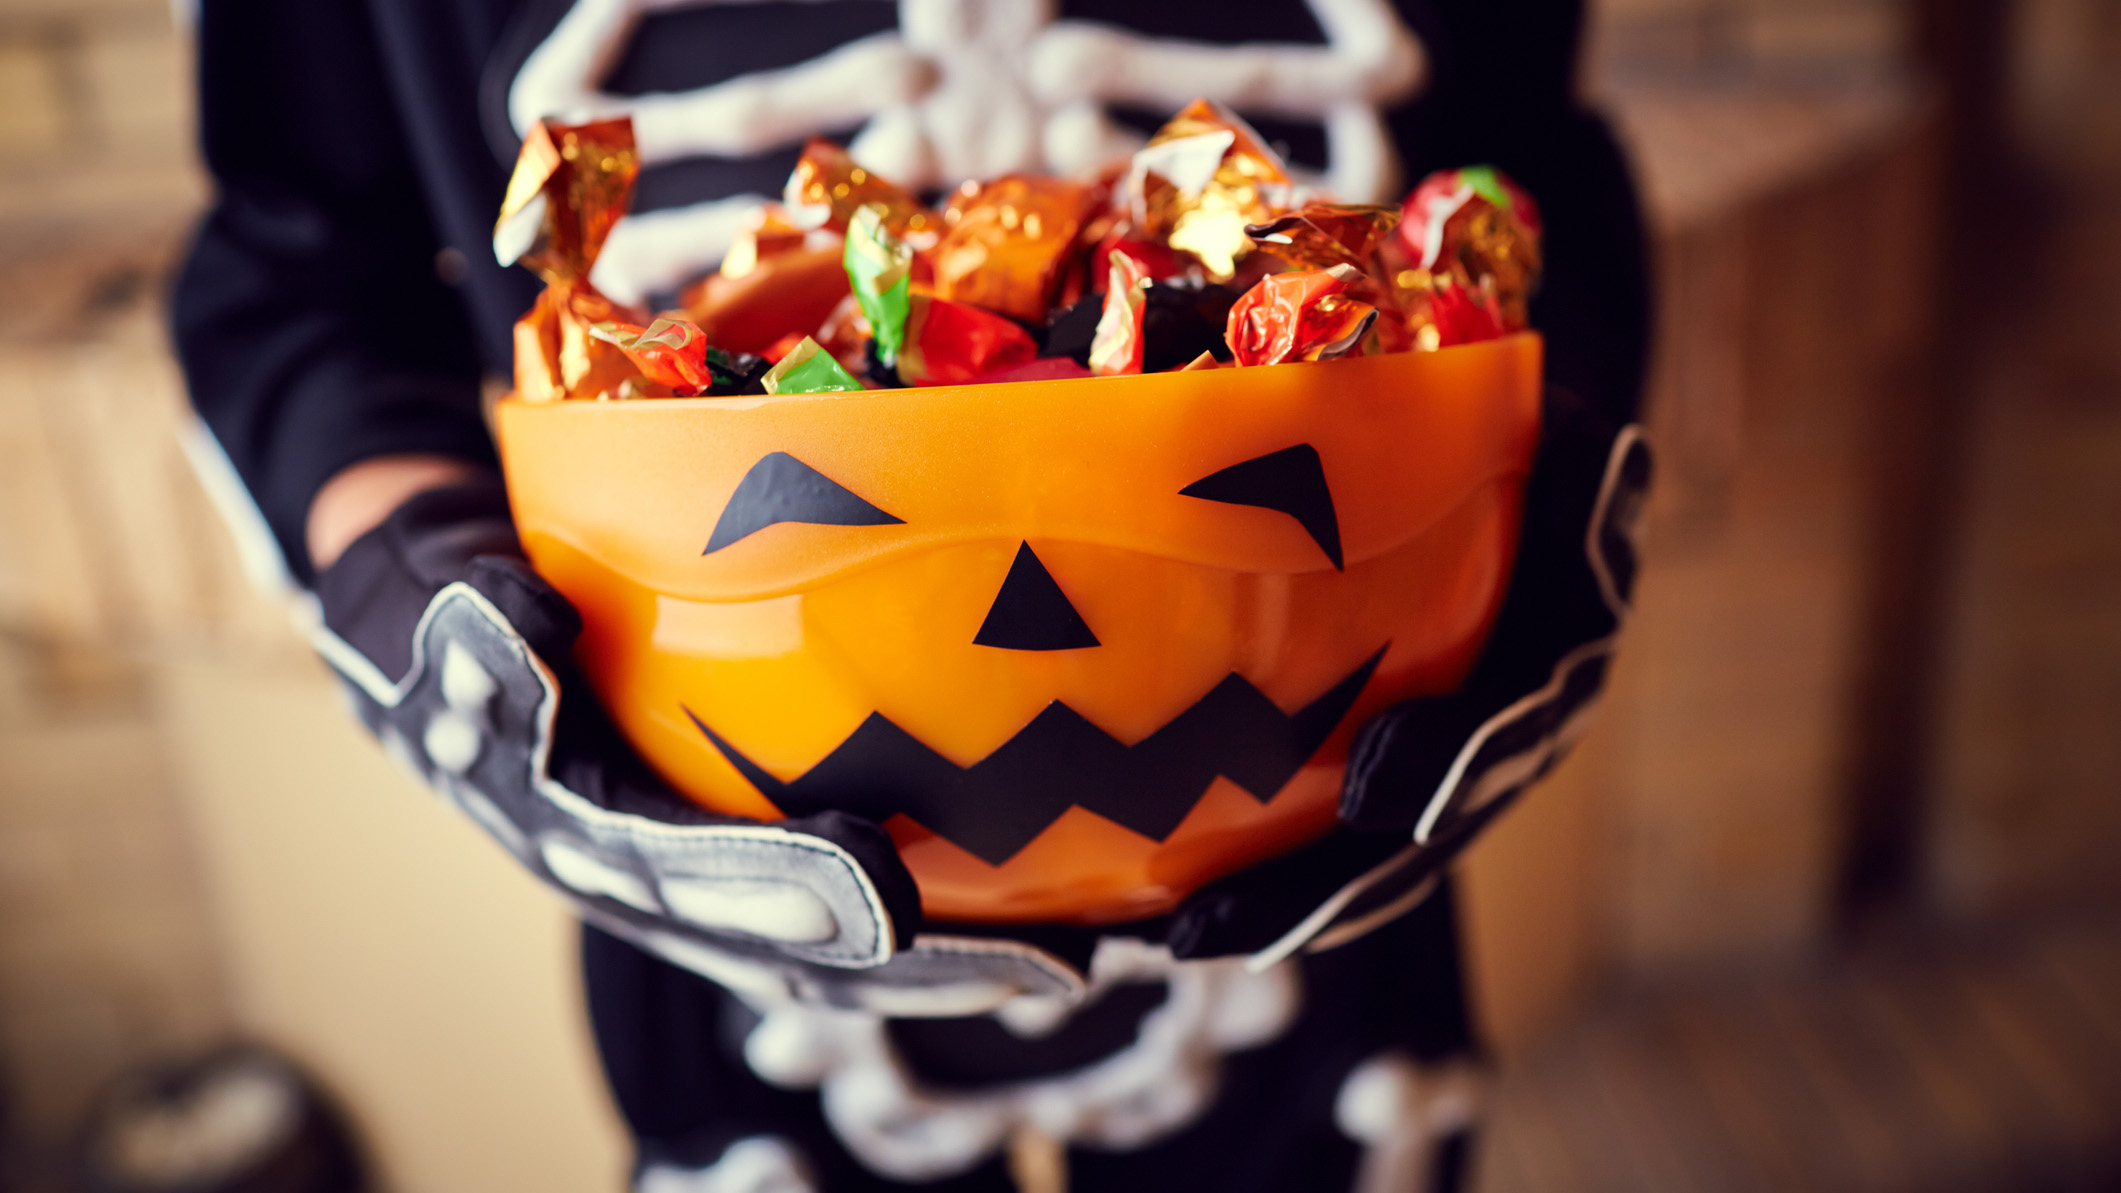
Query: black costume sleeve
point(312, 325)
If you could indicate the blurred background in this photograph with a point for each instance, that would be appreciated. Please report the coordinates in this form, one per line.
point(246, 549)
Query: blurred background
point(1829, 900)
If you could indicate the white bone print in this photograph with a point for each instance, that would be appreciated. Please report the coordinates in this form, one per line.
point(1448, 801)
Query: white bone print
point(964, 89)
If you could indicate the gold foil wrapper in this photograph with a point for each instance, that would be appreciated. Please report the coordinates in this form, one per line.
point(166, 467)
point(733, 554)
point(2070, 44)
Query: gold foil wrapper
point(1322, 235)
point(1007, 243)
point(1202, 179)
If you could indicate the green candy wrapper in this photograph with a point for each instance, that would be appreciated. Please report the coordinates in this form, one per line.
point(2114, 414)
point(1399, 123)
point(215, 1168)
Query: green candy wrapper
point(809, 369)
point(879, 267)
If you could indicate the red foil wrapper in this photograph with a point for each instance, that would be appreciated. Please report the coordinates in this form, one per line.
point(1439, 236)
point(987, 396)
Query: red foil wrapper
point(1158, 261)
point(950, 343)
point(1006, 243)
point(1117, 346)
point(1476, 230)
point(828, 187)
point(1301, 315)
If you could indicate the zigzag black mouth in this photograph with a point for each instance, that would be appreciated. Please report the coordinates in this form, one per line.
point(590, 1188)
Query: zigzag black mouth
point(996, 806)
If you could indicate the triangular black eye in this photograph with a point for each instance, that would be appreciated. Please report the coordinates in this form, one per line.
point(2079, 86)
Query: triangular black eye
point(1291, 480)
point(781, 488)
point(1032, 613)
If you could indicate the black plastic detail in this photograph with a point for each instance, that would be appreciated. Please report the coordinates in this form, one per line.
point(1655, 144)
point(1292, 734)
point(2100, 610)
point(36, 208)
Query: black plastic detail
point(996, 806)
point(1291, 480)
point(1031, 612)
point(781, 488)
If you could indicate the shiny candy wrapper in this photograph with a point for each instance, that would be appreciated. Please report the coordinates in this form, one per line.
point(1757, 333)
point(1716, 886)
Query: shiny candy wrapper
point(1322, 235)
point(828, 187)
point(951, 343)
point(571, 184)
point(1201, 180)
point(1158, 261)
point(1117, 347)
point(879, 270)
point(557, 356)
point(809, 369)
point(1301, 315)
point(1007, 242)
point(768, 233)
point(786, 293)
point(670, 352)
point(1475, 228)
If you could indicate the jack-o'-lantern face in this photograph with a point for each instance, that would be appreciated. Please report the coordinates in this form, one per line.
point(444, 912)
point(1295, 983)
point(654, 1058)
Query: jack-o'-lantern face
point(1080, 645)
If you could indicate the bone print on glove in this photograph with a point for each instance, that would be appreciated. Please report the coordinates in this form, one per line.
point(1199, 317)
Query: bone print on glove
point(457, 656)
point(1426, 776)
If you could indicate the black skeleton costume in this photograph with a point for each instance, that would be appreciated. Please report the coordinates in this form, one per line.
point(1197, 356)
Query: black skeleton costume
point(773, 1011)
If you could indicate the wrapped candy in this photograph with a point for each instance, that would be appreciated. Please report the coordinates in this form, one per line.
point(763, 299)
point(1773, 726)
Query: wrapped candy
point(768, 233)
point(571, 184)
point(828, 187)
point(1198, 251)
point(1158, 261)
point(783, 293)
point(1301, 315)
point(1322, 235)
point(950, 343)
point(879, 268)
point(1474, 236)
point(1117, 346)
point(1006, 243)
point(669, 352)
point(1201, 180)
point(809, 369)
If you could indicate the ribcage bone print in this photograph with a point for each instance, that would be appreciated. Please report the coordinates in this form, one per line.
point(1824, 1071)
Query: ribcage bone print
point(961, 89)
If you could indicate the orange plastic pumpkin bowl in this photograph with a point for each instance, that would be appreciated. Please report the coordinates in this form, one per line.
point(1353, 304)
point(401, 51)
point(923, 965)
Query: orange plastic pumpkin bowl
point(1081, 645)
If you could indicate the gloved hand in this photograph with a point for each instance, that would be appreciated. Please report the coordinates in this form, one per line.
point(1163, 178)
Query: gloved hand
point(1426, 776)
point(457, 657)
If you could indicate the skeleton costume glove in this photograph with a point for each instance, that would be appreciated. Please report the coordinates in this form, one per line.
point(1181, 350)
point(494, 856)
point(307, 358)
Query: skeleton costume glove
point(1425, 777)
point(458, 657)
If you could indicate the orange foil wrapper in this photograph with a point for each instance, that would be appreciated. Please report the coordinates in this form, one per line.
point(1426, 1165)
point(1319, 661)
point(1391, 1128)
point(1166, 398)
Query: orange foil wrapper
point(950, 343)
point(769, 233)
point(571, 184)
point(670, 352)
point(557, 355)
point(1322, 235)
point(1006, 243)
point(828, 187)
point(1117, 347)
point(1301, 315)
point(788, 293)
point(1201, 180)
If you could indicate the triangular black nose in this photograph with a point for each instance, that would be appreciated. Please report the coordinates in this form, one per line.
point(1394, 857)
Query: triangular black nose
point(1032, 613)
